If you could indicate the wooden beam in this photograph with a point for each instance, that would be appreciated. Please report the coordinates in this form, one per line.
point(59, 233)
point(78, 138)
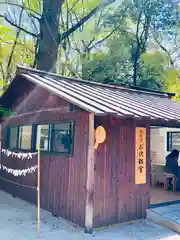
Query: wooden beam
point(90, 178)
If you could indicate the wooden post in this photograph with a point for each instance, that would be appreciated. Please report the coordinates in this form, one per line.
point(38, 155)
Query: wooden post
point(38, 192)
point(90, 178)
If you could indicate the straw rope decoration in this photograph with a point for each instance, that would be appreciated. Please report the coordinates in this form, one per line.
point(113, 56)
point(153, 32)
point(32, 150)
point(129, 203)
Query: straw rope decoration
point(22, 156)
point(24, 172)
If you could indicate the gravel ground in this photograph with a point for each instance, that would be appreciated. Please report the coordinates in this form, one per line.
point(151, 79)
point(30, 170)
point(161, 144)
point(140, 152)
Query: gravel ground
point(18, 221)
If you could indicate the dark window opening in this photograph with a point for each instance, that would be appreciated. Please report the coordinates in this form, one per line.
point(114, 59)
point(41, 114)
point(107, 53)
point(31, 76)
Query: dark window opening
point(56, 137)
point(173, 141)
point(19, 137)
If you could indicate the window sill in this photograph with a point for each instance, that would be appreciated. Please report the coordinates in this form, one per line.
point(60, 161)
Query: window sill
point(20, 150)
point(56, 153)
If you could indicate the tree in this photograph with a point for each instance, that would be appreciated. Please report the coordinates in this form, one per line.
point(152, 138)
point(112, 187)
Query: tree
point(142, 16)
point(116, 66)
point(131, 55)
point(172, 82)
point(154, 67)
point(85, 42)
point(47, 17)
point(14, 49)
point(171, 50)
point(112, 63)
point(77, 48)
point(125, 44)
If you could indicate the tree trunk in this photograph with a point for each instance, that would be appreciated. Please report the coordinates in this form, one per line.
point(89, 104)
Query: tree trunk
point(85, 58)
point(50, 37)
point(46, 57)
point(135, 70)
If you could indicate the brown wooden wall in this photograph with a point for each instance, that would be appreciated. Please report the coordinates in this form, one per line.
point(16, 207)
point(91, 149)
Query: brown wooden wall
point(38, 98)
point(63, 179)
point(117, 198)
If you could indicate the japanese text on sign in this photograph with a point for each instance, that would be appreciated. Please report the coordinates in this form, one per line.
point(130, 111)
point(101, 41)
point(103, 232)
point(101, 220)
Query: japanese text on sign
point(140, 161)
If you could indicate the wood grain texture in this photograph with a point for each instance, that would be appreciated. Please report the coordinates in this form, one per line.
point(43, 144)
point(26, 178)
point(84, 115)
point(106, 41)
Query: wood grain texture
point(140, 156)
point(90, 178)
point(117, 198)
point(63, 178)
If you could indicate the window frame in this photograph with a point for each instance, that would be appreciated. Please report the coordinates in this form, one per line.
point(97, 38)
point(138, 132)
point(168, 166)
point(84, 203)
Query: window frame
point(169, 147)
point(36, 132)
point(28, 149)
point(51, 135)
point(8, 136)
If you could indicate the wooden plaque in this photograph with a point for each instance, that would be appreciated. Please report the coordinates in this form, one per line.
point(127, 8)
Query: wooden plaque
point(140, 157)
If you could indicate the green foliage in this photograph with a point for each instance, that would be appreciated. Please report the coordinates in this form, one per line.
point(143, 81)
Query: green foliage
point(87, 53)
point(13, 52)
point(113, 62)
point(153, 69)
point(81, 7)
point(172, 82)
point(33, 5)
point(110, 65)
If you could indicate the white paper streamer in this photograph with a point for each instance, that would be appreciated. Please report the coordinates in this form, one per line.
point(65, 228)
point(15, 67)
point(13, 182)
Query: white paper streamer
point(22, 156)
point(22, 172)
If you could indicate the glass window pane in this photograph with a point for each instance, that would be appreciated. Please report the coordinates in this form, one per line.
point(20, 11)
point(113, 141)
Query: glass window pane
point(63, 125)
point(169, 141)
point(43, 137)
point(25, 135)
point(176, 141)
point(13, 135)
point(62, 137)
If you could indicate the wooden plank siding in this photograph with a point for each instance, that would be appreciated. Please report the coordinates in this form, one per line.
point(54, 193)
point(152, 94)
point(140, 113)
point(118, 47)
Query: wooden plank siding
point(63, 178)
point(117, 198)
point(105, 210)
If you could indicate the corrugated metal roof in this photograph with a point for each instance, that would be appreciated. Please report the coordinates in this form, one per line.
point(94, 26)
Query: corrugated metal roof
point(104, 99)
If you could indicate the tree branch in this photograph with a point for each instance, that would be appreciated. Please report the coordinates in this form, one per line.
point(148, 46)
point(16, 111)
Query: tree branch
point(146, 31)
point(77, 20)
point(2, 72)
point(103, 39)
point(14, 45)
point(89, 44)
point(165, 50)
point(137, 28)
point(4, 41)
point(74, 4)
point(36, 50)
point(18, 27)
point(99, 20)
point(84, 19)
point(22, 7)
point(19, 43)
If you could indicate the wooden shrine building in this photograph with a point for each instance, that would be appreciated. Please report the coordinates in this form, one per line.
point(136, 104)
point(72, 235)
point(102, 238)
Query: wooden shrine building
point(88, 186)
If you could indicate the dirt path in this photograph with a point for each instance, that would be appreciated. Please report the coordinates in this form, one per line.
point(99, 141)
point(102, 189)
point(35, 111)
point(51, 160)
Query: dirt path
point(18, 221)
